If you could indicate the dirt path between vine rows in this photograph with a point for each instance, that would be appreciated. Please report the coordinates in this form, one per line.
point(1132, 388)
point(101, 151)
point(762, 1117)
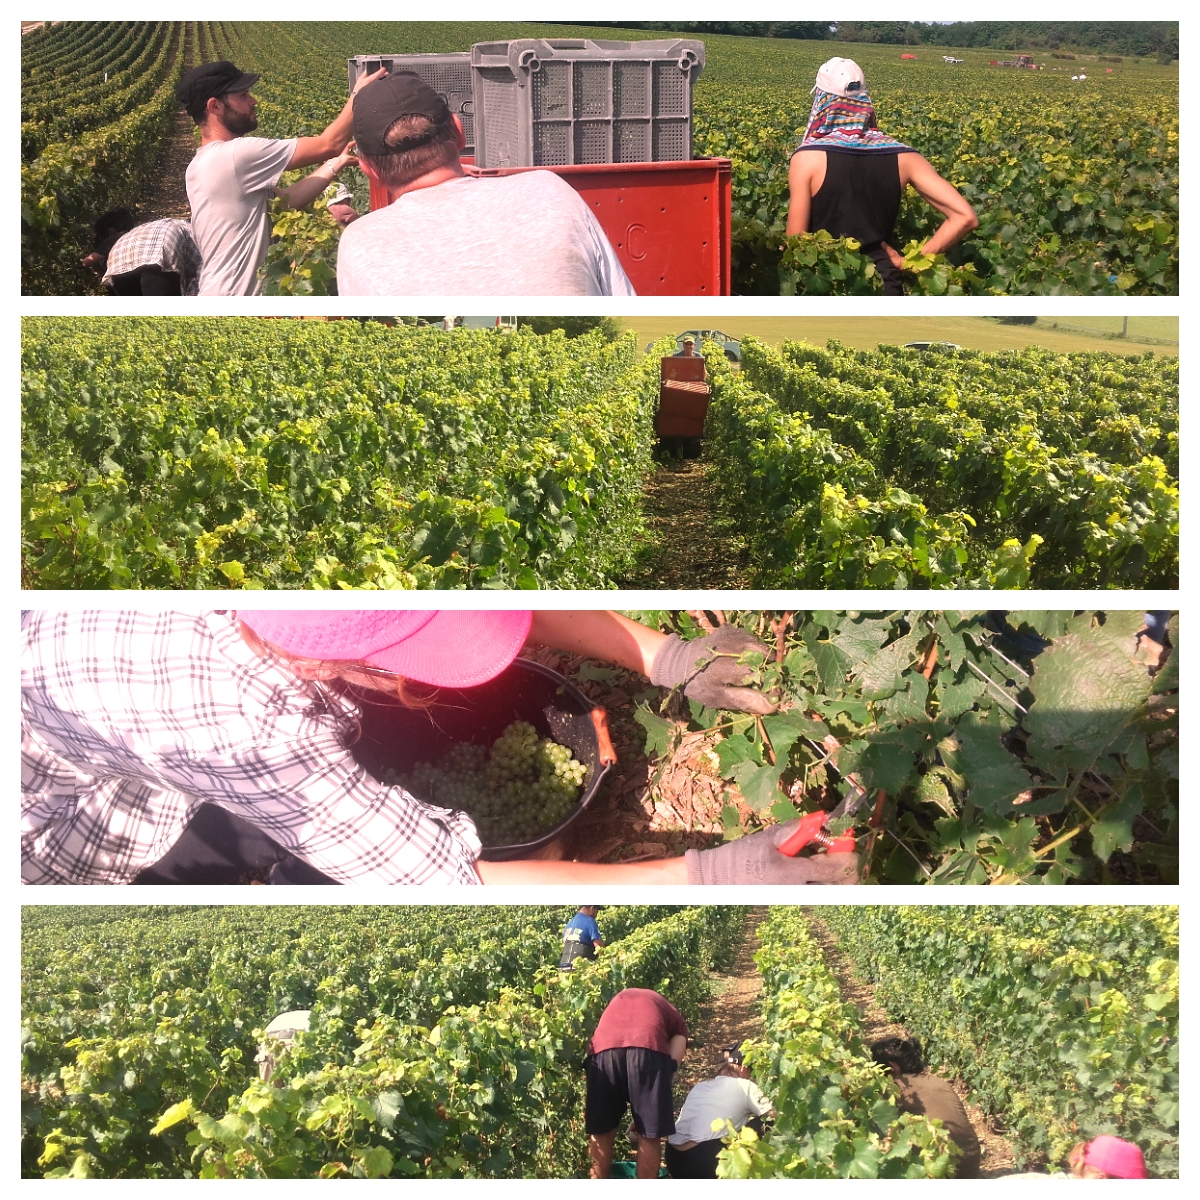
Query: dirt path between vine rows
point(997, 1158)
point(166, 192)
point(732, 1015)
point(691, 545)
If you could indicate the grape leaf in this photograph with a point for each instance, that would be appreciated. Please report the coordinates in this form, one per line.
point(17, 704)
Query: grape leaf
point(994, 777)
point(1087, 690)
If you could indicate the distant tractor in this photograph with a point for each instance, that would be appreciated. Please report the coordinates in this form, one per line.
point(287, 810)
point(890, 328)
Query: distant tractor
point(469, 322)
point(938, 347)
point(1022, 60)
point(731, 346)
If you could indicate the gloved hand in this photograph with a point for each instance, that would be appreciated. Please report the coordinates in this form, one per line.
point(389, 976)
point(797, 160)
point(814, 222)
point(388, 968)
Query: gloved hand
point(717, 683)
point(754, 859)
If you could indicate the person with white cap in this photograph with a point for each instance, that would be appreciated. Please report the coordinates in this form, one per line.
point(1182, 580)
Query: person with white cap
point(174, 747)
point(280, 1034)
point(731, 1099)
point(847, 176)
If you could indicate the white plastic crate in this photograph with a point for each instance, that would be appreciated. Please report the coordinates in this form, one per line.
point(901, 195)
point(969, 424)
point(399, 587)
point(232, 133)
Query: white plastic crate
point(448, 74)
point(565, 101)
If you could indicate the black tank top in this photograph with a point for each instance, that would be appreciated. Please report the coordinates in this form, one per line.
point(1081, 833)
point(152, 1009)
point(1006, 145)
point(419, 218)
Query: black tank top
point(860, 198)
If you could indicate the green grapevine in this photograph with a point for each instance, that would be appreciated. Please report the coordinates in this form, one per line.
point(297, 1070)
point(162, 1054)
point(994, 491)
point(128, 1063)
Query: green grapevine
point(900, 468)
point(1033, 746)
point(836, 1114)
point(250, 453)
point(1086, 1042)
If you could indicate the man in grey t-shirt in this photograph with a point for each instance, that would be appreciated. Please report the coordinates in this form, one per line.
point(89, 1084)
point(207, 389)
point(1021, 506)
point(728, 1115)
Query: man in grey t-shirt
point(232, 178)
point(449, 234)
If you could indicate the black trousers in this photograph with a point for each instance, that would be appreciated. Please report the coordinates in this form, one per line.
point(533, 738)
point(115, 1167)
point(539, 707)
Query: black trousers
point(147, 281)
point(700, 1162)
point(893, 281)
point(220, 848)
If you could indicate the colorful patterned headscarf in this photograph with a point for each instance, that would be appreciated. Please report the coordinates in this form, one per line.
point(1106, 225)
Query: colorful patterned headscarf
point(845, 122)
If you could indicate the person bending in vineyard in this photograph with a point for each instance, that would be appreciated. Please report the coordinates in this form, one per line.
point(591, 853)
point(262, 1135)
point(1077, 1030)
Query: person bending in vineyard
point(581, 937)
point(157, 258)
point(847, 177)
point(447, 233)
point(730, 1096)
point(172, 747)
point(280, 1033)
point(232, 178)
point(639, 1042)
point(923, 1092)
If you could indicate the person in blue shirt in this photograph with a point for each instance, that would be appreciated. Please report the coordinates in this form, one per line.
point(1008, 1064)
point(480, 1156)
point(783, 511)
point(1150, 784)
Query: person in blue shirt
point(581, 937)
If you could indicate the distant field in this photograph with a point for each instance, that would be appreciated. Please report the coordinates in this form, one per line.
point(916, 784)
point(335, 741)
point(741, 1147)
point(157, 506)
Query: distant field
point(865, 333)
point(1166, 328)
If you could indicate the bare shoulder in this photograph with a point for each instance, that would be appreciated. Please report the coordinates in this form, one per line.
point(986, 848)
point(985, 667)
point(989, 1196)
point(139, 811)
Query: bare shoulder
point(808, 161)
point(913, 166)
point(807, 166)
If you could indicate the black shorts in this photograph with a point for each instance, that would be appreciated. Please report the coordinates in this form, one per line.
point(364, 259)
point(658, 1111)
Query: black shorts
point(633, 1076)
point(147, 281)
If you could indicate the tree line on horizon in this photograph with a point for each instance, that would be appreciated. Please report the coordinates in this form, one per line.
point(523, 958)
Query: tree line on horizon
point(1135, 38)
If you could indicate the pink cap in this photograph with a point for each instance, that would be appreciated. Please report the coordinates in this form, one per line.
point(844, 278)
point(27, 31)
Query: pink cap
point(458, 648)
point(1116, 1157)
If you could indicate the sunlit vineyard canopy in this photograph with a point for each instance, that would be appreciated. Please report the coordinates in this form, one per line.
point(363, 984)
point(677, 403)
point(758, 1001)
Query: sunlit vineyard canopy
point(1076, 183)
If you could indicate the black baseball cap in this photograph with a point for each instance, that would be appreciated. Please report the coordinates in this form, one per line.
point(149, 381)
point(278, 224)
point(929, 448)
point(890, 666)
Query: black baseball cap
point(383, 102)
point(203, 83)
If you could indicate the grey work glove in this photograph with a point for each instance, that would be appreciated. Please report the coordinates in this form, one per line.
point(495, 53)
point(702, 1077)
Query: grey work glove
point(754, 859)
point(718, 682)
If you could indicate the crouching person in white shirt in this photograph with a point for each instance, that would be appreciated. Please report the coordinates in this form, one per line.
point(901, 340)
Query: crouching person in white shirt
point(732, 1096)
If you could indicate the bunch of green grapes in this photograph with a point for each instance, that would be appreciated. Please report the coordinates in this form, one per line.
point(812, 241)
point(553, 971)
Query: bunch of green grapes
point(514, 793)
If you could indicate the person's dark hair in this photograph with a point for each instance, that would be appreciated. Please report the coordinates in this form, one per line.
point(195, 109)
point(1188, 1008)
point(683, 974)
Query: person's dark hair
point(110, 226)
point(904, 1053)
point(416, 146)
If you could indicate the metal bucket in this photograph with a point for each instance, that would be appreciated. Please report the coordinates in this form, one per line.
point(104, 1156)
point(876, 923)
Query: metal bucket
point(397, 737)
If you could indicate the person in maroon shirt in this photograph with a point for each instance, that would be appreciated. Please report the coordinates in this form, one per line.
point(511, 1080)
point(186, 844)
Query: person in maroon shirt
point(638, 1044)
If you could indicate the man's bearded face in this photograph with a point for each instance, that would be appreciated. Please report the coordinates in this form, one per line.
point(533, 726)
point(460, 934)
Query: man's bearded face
point(239, 112)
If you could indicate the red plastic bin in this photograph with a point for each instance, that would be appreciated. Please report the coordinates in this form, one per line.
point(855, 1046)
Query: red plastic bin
point(669, 222)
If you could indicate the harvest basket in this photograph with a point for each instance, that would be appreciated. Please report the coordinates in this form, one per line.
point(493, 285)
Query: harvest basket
point(394, 737)
point(561, 101)
point(448, 74)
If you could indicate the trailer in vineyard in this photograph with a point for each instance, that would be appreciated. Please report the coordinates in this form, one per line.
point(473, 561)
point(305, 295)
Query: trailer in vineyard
point(614, 119)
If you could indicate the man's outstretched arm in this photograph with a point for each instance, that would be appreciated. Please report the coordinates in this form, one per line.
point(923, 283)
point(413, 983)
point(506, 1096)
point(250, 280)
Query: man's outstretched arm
point(336, 135)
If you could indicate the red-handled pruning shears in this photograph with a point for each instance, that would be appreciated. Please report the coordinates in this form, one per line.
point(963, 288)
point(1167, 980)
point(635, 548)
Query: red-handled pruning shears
point(812, 829)
point(812, 825)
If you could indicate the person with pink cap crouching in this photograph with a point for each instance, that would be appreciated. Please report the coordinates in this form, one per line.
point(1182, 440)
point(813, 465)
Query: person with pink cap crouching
point(1107, 1157)
point(175, 747)
point(1104, 1157)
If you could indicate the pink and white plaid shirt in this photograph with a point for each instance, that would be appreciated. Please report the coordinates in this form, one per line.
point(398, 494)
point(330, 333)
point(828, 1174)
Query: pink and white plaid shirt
point(131, 721)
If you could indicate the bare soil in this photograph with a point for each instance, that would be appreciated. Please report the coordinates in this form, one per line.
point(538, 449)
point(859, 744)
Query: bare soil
point(731, 1016)
point(691, 546)
point(166, 193)
point(997, 1158)
point(646, 808)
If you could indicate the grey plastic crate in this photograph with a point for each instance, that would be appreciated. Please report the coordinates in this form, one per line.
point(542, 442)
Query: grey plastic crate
point(448, 74)
point(549, 103)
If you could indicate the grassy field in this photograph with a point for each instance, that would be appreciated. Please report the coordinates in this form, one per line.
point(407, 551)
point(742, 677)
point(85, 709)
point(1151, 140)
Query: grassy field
point(865, 333)
point(1165, 328)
